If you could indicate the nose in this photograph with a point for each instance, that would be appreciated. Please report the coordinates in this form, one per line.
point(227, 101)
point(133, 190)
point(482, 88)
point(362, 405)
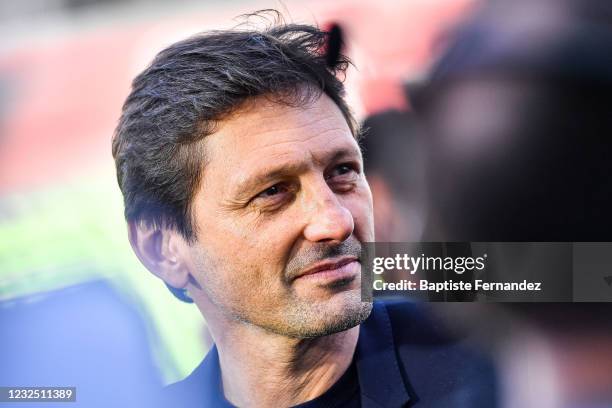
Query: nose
point(329, 220)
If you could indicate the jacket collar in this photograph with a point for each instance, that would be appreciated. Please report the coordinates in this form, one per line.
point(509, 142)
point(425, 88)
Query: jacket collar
point(380, 379)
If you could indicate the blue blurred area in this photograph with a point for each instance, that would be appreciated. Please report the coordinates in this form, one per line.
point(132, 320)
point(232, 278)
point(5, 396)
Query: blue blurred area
point(87, 336)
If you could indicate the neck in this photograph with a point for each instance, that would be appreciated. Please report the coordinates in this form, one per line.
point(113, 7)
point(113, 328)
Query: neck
point(263, 369)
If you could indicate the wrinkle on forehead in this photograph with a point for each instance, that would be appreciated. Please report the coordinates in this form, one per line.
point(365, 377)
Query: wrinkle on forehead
point(269, 131)
point(262, 116)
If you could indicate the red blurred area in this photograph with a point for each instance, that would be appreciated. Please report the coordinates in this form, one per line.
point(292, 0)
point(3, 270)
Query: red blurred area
point(63, 97)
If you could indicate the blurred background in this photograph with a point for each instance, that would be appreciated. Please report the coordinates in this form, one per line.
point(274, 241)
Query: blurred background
point(65, 69)
point(465, 96)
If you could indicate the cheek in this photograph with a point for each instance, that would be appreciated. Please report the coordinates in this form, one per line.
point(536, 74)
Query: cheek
point(251, 251)
point(235, 273)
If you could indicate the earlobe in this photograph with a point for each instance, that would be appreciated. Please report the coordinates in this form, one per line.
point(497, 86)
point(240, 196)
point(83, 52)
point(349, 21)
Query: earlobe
point(161, 251)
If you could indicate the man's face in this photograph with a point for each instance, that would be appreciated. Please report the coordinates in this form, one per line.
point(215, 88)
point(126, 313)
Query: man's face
point(281, 213)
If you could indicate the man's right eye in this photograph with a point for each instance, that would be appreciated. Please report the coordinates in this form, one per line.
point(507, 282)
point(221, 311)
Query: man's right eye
point(270, 191)
point(273, 198)
point(275, 190)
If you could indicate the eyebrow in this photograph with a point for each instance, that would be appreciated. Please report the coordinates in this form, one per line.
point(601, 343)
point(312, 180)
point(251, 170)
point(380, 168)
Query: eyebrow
point(251, 185)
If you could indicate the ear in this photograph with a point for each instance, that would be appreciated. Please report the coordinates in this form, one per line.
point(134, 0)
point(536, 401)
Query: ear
point(162, 251)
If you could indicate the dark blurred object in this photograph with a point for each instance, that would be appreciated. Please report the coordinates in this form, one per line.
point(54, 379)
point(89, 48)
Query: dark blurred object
point(394, 167)
point(335, 43)
point(85, 336)
point(519, 123)
point(564, 318)
point(393, 159)
point(518, 120)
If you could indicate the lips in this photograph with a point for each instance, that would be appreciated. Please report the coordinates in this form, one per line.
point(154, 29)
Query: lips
point(327, 266)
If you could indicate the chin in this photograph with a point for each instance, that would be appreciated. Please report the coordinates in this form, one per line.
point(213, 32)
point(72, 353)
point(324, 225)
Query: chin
point(340, 312)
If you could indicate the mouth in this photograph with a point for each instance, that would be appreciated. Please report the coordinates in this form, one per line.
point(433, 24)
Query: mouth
point(345, 268)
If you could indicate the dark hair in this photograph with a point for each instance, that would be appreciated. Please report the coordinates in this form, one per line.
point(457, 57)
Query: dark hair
point(189, 87)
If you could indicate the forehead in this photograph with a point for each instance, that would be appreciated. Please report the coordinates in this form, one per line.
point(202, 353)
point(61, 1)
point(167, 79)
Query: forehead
point(266, 134)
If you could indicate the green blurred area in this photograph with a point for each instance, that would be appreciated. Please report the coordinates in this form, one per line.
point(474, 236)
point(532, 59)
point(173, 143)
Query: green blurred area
point(74, 233)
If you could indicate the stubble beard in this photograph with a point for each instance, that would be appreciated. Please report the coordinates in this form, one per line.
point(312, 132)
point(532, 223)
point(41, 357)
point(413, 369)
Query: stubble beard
point(298, 318)
point(308, 320)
